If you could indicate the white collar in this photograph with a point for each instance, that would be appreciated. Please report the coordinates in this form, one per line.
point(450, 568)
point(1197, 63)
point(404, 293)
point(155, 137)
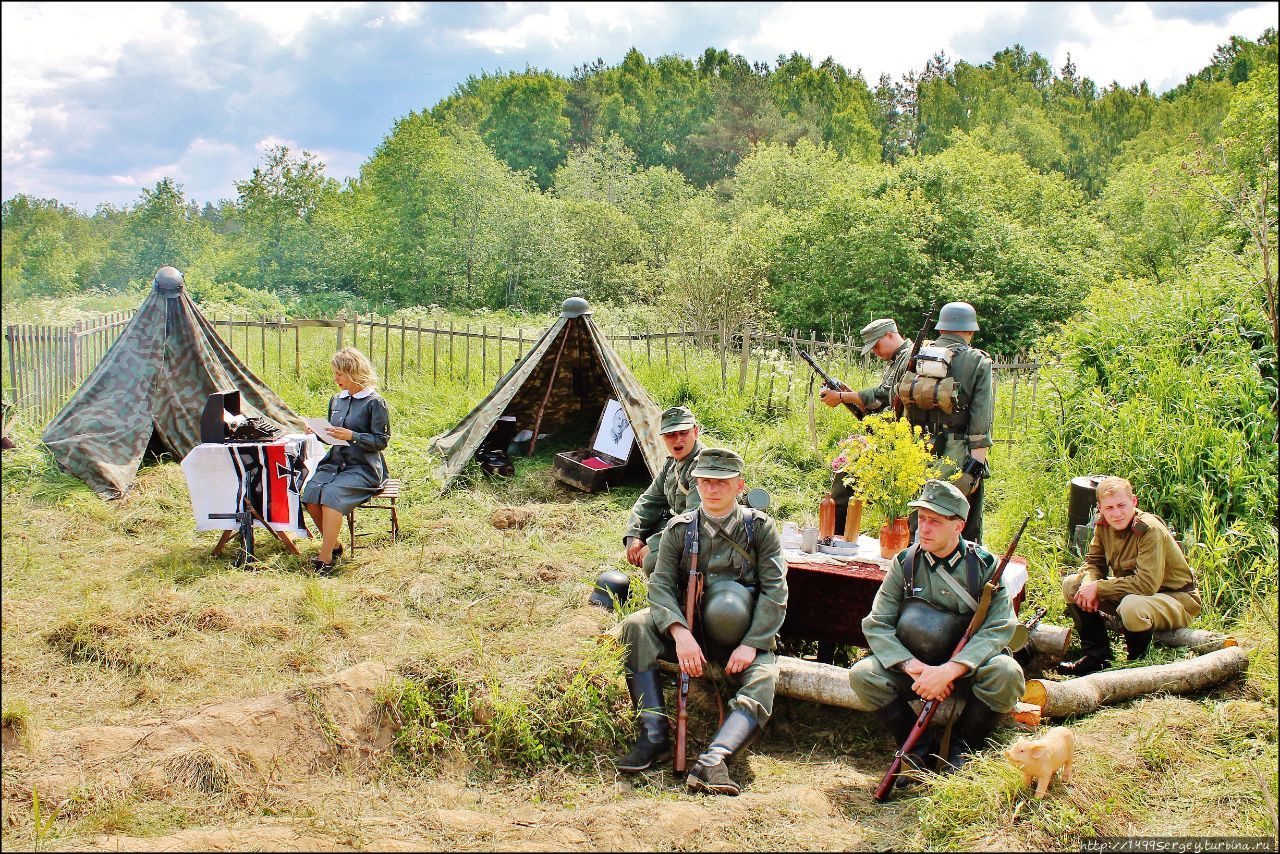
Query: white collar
point(360, 395)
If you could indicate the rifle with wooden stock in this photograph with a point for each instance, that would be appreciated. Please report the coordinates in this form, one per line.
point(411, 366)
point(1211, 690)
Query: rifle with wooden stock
point(692, 596)
point(830, 381)
point(915, 351)
point(931, 707)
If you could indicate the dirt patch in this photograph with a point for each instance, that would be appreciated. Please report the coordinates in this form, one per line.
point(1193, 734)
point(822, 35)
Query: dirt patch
point(293, 733)
point(512, 517)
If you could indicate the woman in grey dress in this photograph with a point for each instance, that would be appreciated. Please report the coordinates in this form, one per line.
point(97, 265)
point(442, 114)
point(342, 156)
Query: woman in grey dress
point(349, 475)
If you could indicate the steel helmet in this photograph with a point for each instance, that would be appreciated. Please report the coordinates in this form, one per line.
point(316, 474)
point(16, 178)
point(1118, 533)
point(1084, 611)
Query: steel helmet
point(930, 633)
point(726, 613)
point(168, 280)
point(610, 585)
point(957, 317)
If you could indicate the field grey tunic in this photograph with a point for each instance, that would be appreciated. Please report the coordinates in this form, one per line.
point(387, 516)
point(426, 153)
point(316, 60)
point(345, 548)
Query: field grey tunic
point(350, 475)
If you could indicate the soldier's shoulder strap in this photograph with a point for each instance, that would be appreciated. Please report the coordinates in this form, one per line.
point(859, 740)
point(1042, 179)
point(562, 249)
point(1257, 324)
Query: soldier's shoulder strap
point(681, 519)
point(1141, 525)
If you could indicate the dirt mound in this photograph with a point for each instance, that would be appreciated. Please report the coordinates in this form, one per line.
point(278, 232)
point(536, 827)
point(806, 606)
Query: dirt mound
point(296, 732)
point(511, 517)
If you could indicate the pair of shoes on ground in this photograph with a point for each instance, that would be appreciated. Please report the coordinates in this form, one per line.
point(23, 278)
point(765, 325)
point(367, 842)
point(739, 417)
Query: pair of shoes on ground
point(1137, 645)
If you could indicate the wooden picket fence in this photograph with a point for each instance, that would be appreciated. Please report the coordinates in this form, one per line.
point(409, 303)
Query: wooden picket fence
point(47, 363)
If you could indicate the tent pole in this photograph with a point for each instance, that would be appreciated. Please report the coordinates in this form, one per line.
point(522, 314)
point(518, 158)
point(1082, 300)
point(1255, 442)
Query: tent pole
point(546, 395)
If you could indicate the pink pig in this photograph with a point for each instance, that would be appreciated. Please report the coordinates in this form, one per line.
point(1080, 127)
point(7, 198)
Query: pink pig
point(1039, 758)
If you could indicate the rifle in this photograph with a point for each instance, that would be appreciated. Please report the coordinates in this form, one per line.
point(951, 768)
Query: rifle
point(1021, 644)
point(692, 595)
point(915, 351)
point(930, 707)
point(830, 381)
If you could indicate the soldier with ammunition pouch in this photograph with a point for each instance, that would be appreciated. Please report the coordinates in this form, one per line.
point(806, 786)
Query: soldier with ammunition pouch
point(923, 606)
point(947, 390)
point(742, 610)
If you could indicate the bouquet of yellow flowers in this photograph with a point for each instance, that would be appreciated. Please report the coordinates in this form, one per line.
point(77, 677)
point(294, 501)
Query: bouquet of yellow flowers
point(886, 463)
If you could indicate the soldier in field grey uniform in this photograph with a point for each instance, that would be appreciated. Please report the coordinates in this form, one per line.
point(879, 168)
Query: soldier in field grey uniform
point(743, 606)
point(881, 337)
point(671, 493)
point(952, 397)
point(916, 620)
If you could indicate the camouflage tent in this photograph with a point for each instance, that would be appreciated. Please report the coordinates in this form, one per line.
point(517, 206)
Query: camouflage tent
point(149, 391)
point(568, 375)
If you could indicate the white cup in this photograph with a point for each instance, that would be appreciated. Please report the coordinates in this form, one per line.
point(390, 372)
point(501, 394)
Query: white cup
point(809, 539)
point(790, 530)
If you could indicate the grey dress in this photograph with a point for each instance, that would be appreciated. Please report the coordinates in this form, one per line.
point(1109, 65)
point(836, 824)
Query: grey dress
point(350, 475)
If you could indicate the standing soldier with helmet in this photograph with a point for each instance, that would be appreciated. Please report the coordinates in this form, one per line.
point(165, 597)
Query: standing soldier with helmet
point(743, 606)
point(947, 390)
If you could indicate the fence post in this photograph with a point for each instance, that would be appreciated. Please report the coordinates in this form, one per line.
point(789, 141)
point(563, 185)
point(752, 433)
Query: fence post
point(386, 345)
point(466, 341)
point(484, 352)
point(9, 335)
point(402, 329)
point(452, 371)
point(724, 356)
point(435, 347)
point(746, 355)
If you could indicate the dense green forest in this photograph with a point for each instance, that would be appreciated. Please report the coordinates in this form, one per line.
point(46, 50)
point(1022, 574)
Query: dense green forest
point(712, 188)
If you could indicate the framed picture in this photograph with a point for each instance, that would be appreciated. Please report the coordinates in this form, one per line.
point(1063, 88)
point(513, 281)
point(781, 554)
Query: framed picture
point(614, 436)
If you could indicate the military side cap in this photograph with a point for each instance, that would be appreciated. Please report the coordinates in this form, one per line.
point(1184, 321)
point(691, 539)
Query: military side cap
point(943, 497)
point(720, 463)
point(875, 330)
point(677, 418)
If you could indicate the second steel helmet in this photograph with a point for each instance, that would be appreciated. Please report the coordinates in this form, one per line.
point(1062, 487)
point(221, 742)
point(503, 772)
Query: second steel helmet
point(957, 317)
point(611, 586)
point(726, 613)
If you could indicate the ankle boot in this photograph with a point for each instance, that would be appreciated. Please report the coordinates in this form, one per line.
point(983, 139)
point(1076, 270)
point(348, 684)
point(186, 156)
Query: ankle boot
point(970, 733)
point(898, 719)
point(711, 773)
point(1094, 643)
point(654, 742)
point(1138, 643)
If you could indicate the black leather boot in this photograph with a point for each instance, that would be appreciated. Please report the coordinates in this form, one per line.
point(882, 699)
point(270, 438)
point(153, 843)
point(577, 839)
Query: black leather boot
point(711, 773)
point(970, 733)
point(654, 742)
point(1094, 643)
point(1138, 643)
point(898, 719)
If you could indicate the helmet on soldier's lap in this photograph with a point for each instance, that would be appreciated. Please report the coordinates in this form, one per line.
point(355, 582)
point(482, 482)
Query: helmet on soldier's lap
point(957, 317)
point(610, 585)
point(726, 612)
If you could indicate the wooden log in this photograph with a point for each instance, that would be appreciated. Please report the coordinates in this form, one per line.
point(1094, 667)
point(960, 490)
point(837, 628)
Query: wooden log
point(1051, 640)
point(1200, 640)
point(1088, 693)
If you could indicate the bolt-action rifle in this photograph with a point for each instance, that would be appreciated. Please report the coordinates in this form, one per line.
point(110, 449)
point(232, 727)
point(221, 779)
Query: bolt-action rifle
point(930, 707)
point(692, 598)
point(915, 351)
point(830, 381)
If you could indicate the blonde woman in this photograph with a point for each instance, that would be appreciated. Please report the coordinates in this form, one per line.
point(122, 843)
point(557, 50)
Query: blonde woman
point(349, 475)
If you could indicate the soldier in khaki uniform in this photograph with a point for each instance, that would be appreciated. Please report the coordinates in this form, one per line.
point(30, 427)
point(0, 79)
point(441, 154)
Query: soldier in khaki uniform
point(881, 337)
point(741, 556)
point(922, 607)
point(671, 493)
point(1133, 569)
point(952, 397)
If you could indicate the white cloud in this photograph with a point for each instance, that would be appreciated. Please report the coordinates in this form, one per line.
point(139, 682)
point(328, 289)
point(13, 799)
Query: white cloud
point(876, 37)
point(561, 26)
point(49, 47)
point(1135, 45)
point(284, 22)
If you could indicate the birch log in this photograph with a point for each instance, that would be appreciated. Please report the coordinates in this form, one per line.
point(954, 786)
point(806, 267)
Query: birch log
point(1087, 693)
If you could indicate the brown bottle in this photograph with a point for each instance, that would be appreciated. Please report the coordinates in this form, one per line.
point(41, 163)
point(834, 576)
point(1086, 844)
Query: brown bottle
point(853, 520)
point(827, 517)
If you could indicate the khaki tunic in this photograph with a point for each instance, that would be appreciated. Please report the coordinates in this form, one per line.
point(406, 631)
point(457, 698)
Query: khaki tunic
point(672, 492)
point(997, 680)
point(1141, 575)
point(646, 634)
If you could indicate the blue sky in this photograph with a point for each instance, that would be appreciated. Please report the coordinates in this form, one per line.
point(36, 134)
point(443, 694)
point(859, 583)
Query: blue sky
point(102, 99)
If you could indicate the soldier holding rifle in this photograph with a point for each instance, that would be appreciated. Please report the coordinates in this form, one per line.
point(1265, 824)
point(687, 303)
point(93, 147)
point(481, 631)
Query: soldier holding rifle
point(920, 612)
point(742, 609)
point(882, 338)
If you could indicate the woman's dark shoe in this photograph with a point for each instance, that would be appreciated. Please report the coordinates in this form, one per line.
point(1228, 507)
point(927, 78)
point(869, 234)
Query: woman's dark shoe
point(321, 568)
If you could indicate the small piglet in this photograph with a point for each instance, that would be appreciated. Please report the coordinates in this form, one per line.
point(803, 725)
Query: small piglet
point(1039, 758)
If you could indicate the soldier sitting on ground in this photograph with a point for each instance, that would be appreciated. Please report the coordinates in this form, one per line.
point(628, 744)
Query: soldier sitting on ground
point(671, 493)
point(1133, 569)
point(745, 584)
point(917, 618)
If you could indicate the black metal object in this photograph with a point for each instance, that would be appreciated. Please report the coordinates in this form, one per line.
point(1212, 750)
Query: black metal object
point(244, 521)
point(213, 421)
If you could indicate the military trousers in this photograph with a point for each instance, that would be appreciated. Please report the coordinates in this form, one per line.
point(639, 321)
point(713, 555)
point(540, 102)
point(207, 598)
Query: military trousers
point(1138, 613)
point(650, 562)
point(757, 685)
point(998, 682)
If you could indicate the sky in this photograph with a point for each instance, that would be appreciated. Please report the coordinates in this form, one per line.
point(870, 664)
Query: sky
point(103, 99)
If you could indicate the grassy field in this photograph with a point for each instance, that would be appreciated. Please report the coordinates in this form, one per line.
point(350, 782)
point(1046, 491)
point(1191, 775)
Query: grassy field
point(501, 706)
